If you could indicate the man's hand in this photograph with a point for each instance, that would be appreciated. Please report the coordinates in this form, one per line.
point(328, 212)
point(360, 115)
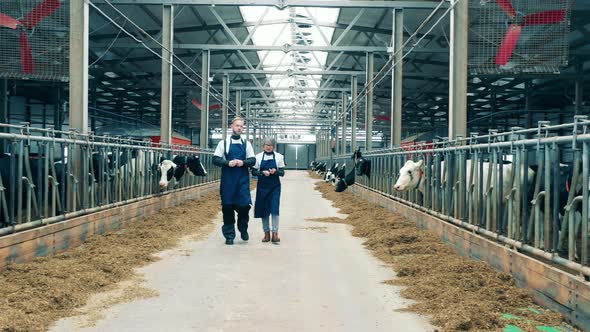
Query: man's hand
point(239, 162)
point(232, 163)
point(266, 173)
point(272, 170)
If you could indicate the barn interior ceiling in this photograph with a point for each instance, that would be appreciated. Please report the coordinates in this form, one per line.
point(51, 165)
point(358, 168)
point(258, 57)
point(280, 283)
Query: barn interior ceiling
point(293, 64)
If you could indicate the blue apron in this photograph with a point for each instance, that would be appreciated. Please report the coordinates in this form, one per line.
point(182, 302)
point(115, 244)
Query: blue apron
point(268, 190)
point(235, 181)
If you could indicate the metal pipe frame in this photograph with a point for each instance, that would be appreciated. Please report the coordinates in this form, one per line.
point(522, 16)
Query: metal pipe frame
point(369, 101)
point(282, 4)
point(112, 171)
point(462, 197)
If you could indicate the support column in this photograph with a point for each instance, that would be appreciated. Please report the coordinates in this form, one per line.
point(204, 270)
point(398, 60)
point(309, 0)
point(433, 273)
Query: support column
point(353, 111)
point(579, 94)
point(248, 121)
point(343, 114)
point(255, 136)
point(528, 86)
point(239, 103)
point(204, 139)
point(167, 61)
point(397, 40)
point(335, 131)
point(79, 19)
point(458, 70)
point(3, 107)
point(78, 101)
point(369, 102)
point(224, 106)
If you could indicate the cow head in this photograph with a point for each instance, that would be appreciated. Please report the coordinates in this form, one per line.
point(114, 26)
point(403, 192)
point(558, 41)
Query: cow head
point(363, 167)
point(342, 184)
point(195, 167)
point(409, 176)
point(330, 173)
point(166, 169)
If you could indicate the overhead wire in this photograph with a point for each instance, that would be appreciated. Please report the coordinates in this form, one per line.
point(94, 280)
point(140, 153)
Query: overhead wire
point(391, 61)
point(162, 46)
point(142, 43)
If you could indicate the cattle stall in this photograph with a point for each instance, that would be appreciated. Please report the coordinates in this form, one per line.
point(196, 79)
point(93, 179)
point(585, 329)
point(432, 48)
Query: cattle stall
point(526, 189)
point(48, 174)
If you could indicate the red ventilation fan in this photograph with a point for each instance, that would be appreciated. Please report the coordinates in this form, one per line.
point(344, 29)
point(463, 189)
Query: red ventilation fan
point(29, 21)
point(511, 38)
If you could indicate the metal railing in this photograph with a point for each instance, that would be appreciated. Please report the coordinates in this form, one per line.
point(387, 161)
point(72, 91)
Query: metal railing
point(464, 183)
point(49, 175)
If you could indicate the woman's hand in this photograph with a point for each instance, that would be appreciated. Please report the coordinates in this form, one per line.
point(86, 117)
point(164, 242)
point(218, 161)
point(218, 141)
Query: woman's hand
point(272, 170)
point(266, 173)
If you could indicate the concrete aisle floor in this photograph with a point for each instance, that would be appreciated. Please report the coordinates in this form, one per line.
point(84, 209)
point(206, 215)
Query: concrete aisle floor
point(319, 278)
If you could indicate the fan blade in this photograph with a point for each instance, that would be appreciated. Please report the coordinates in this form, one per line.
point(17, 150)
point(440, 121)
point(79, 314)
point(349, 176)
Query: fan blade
point(8, 22)
point(508, 44)
point(507, 7)
point(38, 13)
point(26, 55)
point(547, 17)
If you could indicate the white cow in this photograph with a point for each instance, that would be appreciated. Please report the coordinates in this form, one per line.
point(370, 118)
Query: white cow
point(412, 173)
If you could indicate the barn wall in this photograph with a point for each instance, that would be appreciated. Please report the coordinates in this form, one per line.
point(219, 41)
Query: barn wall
point(552, 288)
point(55, 238)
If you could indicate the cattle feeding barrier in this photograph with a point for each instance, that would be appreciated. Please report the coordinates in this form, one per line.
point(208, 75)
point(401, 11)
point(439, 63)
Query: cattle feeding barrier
point(48, 175)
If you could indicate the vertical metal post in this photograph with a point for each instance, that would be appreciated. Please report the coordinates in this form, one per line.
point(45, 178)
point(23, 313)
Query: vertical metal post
point(204, 139)
point(343, 114)
point(353, 111)
point(458, 70)
point(579, 94)
point(3, 107)
point(369, 102)
point(239, 103)
point(528, 86)
point(166, 85)
point(79, 30)
point(547, 200)
point(248, 119)
point(585, 201)
point(224, 106)
point(79, 18)
point(335, 132)
point(255, 134)
point(397, 39)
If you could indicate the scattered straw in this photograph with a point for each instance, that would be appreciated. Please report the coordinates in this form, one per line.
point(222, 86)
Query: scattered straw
point(458, 294)
point(36, 294)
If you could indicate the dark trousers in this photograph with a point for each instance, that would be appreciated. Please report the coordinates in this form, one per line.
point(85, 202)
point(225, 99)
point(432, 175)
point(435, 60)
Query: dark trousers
point(228, 229)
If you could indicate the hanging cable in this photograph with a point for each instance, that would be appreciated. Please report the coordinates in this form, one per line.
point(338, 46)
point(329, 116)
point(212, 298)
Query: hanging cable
point(162, 46)
point(385, 67)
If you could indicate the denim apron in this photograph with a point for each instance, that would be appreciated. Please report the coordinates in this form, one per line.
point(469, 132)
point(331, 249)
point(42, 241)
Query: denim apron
point(235, 181)
point(268, 190)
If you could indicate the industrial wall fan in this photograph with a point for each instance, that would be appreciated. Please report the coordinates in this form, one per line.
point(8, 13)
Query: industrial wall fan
point(516, 36)
point(34, 38)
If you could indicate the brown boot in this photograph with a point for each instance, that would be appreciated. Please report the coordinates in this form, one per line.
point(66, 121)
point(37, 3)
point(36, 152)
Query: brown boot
point(275, 237)
point(266, 237)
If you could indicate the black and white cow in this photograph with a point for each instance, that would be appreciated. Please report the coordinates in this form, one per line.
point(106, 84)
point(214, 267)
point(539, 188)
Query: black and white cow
point(362, 167)
point(330, 174)
point(412, 173)
point(176, 168)
point(320, 168)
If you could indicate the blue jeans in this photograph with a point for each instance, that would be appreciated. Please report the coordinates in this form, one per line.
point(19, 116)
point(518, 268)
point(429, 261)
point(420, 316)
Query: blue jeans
point(275, 223)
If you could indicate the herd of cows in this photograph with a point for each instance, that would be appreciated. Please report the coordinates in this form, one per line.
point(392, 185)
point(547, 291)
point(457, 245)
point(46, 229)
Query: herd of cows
point(411, 176)
point(107, 172)
point(336, 174)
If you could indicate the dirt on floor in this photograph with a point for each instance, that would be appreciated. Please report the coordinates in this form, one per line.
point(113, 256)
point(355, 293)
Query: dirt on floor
point(34, 295)
point(459, 294)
